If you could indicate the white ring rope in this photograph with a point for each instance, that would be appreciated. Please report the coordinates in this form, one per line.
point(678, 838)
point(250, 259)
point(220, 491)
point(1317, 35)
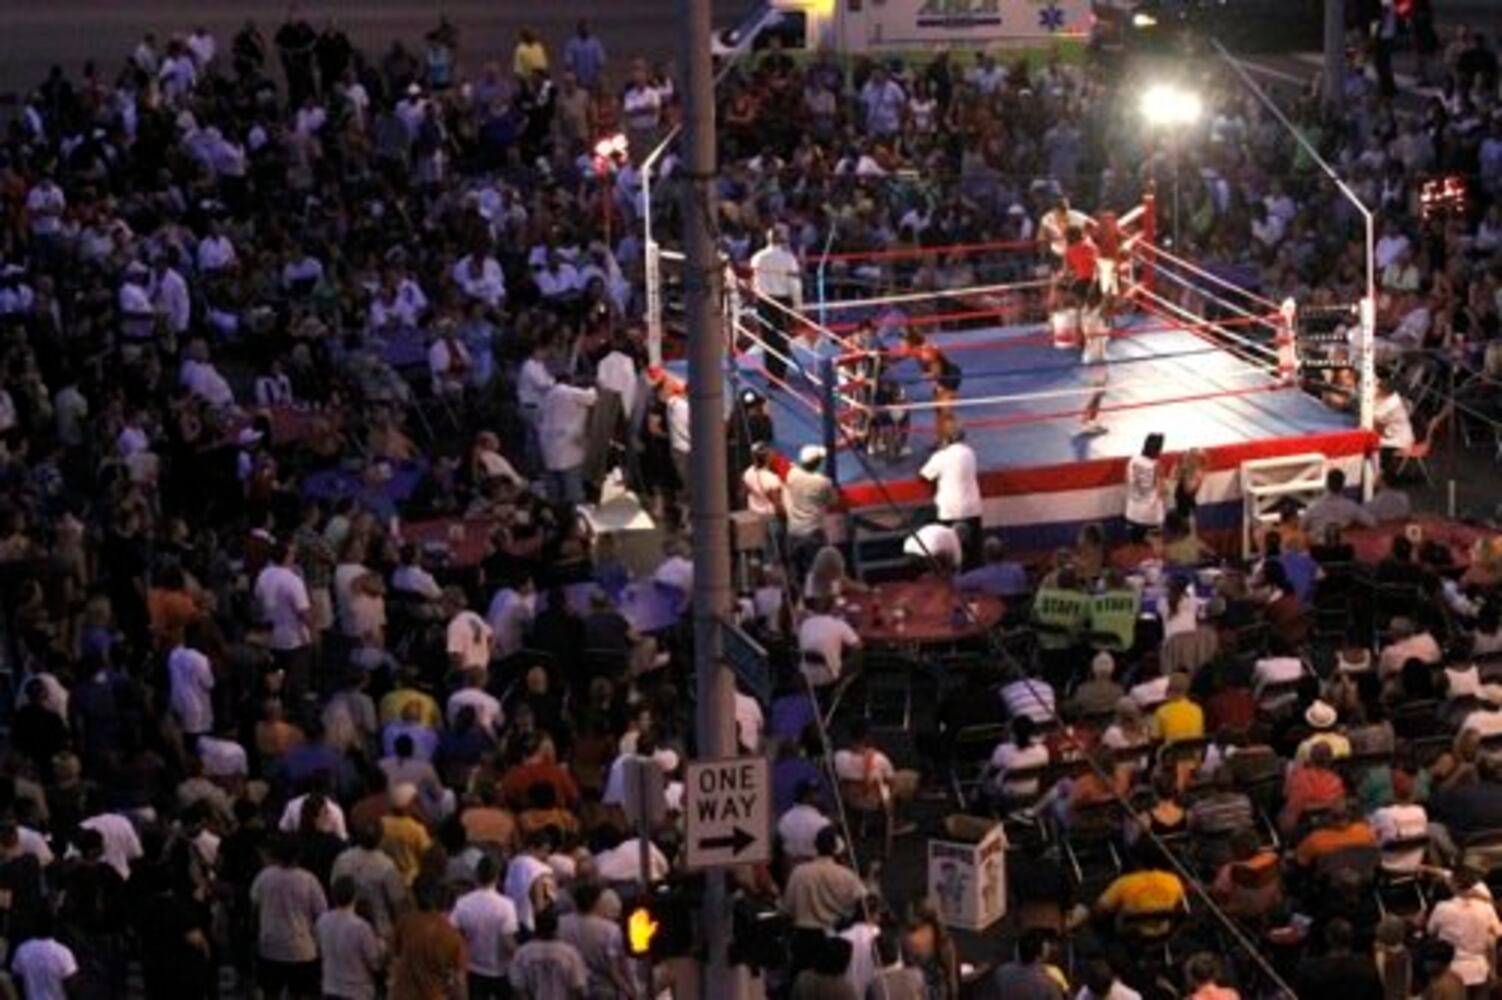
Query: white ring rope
point(1157, 251)
point(1190, 319)
point(787, 359)
point(1113, 389)
point(799, 315)
point(1209, 296)
point(939, 293)
point(793, 365)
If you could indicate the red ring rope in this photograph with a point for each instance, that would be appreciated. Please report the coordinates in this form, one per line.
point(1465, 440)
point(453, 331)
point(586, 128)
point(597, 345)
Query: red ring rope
point(915, 253)
point(1013, 419)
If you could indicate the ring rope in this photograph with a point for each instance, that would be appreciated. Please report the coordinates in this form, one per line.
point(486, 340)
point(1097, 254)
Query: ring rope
point(1086, 390)
point(936, 319)
point(793, 364)
point(1046, 338)
point(1271, 320)
point(1191, 319)
point(787, 359)
point(897, 253)
point(1154, 250)
point(938, 293)
point(1013, 419)
point(1050, 369)
point(787, 310)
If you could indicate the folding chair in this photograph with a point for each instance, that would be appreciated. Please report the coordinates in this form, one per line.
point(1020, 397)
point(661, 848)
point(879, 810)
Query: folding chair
point(1092, 835)
point(969, 753)
point(1396, 600)
point(1395, 883)
point(1151, 934)
point(1482, 850)
point(830, 695)
point(1418, 453)
point(1418, 720)
point(1277, 696)
point(888, 682)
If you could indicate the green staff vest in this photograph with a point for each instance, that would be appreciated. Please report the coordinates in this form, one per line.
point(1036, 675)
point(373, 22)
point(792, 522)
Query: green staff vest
point(1115, 612)
point(1065, 610)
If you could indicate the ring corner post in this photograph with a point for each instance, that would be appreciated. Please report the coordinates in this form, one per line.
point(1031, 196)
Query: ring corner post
point(829, 417)
point(1367, 381)
point(1149, 235)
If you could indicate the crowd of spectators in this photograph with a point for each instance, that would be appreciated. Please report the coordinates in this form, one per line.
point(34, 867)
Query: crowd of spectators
point(312, 358)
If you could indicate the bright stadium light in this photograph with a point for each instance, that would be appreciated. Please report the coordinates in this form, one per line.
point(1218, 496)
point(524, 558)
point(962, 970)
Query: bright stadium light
point(1171, 109)
point(1165, 105)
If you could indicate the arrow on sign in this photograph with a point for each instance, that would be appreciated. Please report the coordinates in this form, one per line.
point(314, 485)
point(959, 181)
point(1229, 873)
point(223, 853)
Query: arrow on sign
point(737, 840)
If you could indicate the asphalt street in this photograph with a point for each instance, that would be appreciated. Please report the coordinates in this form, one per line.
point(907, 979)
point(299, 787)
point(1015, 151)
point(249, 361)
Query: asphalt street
point(39, 33)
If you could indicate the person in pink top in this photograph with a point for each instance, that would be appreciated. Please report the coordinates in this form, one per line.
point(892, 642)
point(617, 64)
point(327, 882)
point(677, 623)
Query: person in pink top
point(1202, 975)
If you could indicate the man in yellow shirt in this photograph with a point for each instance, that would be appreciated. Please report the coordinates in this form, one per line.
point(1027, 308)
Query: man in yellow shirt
point(396, 702)
point(529, 56)
point(403, 837)
point(1179, 718)
point(1145, 892)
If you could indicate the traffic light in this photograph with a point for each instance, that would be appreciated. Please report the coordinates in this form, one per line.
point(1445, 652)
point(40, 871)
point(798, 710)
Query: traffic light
point(641, 931)
point(659, 924)
point(760, 934)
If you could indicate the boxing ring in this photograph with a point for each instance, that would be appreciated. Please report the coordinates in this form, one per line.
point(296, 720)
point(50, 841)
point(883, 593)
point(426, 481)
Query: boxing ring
point(1209, 363)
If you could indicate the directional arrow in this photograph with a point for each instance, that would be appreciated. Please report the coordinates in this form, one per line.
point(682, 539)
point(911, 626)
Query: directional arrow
point(737, 841)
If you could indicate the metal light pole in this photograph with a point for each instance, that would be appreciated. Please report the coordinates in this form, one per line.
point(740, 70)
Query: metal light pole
point(651, 252)
point(651, 249)
point(710, 503)
point(1368, 350)
point(1172, 109)
point(1173, 139)
point(1335, 54)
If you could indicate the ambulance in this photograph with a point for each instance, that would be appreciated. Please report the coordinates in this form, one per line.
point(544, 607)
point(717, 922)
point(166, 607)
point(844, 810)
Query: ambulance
point(870, 27)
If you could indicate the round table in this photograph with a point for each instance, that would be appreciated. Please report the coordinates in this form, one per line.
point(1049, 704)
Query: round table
point(648, 606)
point(921, 613)
point(465, 541)
point(1372, 545)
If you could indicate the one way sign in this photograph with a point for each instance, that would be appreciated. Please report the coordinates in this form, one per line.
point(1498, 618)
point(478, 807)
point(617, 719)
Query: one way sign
point(729, 808)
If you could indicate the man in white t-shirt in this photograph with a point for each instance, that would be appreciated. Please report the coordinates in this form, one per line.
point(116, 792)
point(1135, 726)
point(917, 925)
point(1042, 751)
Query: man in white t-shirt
point(799, 826)
point(1404, 819)
point(1468, 922)
point(936, 544)
point(680, 438)
point(486, 706)
point(1406, 641)
point(533, 381)
point(191, 680)
point(1276, 670)
point(330, 818)
point(869, 779)
point(510, 615)
point(44, 965)
point(1144, 488)
point(1485, 721)
point(470, 639)
point(121, 844)
point(828, 637)
point(563, 418)
point(952, 470)
point(284, 604)
point(487, 920)
point(1392, 420)
point(45, 204)
point(762, 485)
point(525, 871)
point(750, 722)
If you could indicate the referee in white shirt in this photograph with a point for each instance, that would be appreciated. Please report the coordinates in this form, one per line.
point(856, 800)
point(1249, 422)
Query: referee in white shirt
point(777, 274)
